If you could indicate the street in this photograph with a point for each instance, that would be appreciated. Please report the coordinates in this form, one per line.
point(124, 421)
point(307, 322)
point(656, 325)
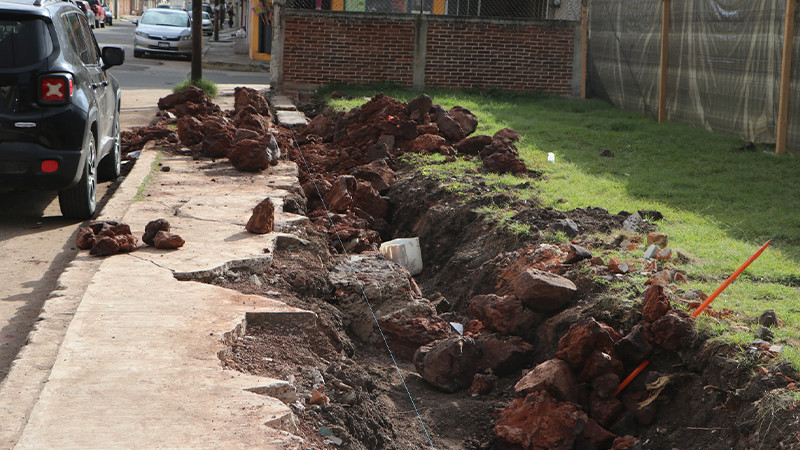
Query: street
point(36, 243)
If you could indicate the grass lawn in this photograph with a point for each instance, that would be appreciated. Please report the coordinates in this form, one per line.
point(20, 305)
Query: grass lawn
point(720, 203)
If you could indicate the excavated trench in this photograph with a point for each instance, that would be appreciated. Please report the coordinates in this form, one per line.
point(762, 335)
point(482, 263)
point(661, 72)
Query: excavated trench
point(522, 375)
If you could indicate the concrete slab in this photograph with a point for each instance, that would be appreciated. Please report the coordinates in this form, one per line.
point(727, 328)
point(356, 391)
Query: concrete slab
point(282, 103)
point(291, 118)
point(139, 366)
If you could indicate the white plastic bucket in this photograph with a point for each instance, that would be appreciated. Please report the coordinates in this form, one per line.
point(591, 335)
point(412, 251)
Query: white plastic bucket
point(404, 252)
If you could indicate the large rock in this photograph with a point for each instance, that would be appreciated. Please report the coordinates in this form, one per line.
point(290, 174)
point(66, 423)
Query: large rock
point(583, 339)
point(633, 348)
point(553, 376)
point(449, 364)
point(407, 334)
point(217, 136)
point(508, 133)
point(152, 228)
point(105, 246)
point(427, 143)
point(370, 201)
point(600, 363)
point(192, 101)
point(672, 331)
point(245, 96)
point(377, 173)
point(594, 436)
point(539, 421)
point(419, 107)
point(543, 291)
point(656, 303)
point(504, 354)
point(190, 131)
point(503, 162)
point(165, 240)
point(262, 221)
point(249, 118)
point(448, 127)
point(465, 119)
point(505, 315)
point(473, 145)
point(249, 156)
point(339, 197)
point(604, 410)
point(321, 126)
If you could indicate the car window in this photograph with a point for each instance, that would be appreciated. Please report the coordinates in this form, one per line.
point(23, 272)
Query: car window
point(75, 25)
point(23, 42)
point(155, 17)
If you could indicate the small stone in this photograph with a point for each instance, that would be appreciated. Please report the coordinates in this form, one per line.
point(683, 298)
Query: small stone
point(577, 253)
point(651, 252)
point(152, 228)
point(263, 219)
point(617, 266)
point(659, 239)
point(664, 254)
point(607, 153)
point(566, 226)
point(165, 168)
point(765, 333)
point(635, 224)
point(164, 240)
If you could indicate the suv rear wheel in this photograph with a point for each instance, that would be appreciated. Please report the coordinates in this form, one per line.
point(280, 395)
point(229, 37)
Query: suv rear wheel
point(80, 201)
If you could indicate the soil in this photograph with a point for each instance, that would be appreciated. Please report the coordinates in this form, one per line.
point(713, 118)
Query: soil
point(354, 394)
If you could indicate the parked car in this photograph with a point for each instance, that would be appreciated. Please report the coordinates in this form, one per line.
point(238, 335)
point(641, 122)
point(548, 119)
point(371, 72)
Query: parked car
point(87, 11)
point(163, 31)
point(109, 16)
point(163, 5)
point(59, 104)
point(208, 25)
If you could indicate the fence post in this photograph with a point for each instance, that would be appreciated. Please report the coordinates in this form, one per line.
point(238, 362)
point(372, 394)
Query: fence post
point(786, 72)
point(420, 52)
point(666, 11)
point(584, 45)
point(278, 34)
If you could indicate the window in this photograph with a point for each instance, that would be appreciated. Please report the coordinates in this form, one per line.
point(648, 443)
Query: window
point(80, 39)
point(23, 42)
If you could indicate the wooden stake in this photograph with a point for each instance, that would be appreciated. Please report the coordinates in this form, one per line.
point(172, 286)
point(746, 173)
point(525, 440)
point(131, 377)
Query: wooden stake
point(786, 67)
point(664, 62)
point(584, 44)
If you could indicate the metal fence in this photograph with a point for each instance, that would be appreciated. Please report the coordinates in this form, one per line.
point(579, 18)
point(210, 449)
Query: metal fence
point(521, 9)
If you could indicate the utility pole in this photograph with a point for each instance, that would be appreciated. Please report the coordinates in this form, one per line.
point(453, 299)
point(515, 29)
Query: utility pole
point(216, 20)
point(197, 40)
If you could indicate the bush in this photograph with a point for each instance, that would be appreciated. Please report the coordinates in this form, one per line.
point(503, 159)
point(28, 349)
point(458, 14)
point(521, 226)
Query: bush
point(208, 86)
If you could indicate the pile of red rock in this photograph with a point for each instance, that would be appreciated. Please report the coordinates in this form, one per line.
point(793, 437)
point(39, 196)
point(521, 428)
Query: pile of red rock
point(352, 158)
point(109, 237)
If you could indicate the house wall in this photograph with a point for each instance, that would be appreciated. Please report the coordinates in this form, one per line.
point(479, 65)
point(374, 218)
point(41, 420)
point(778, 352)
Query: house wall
point(321, 47)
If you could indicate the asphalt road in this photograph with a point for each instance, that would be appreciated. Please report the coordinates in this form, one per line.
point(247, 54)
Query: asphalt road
point(36, 243)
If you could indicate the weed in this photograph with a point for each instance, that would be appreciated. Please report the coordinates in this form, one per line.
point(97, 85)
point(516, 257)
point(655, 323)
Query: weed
point(208, 86)
point(154, 168)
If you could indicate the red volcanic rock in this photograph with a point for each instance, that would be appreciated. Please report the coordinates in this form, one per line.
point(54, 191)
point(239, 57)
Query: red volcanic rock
point(595, 436)
point(465, 119)
point(152, 228)
point(633, 348)
point(656, 303)
point(406, 335)
point(543, 291)
point(377, 173)
point(126, 242)
point(407, 130)
point(553, 376)
point(192, 101)
point(504, 354)
point(263, 219)
point(136, 138)
point(450, 364)
point(419, 107)
point(249, 118)
point(85, 239)
point(624, 443)
point(249, 156)
point(245, 96)
point(244, 133)
point(370, 201)
point(190, 131)
point(671, 331)
point(539, 421)
point(507, 133)
point(473, 145)
point(321, 126)
point(427, 128)
point(600, 363)
point(505, 315)
point(165, 240)
point(482, 384)
point(502, 162)
point(584, 338)
point(340, 196)
point(448, 127)
point(604, 410)
point(605, 385)
point(427, 143)
point(217, 136)
point(105, 246)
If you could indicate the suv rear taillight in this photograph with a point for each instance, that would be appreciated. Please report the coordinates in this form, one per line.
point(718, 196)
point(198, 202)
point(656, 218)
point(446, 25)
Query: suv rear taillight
point(55, 89)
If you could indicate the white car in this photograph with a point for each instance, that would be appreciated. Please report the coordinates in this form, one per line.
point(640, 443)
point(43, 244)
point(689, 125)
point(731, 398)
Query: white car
point(163, 31)
point(208, 25)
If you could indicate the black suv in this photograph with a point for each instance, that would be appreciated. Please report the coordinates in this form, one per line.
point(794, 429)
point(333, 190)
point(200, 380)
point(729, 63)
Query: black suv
point(59, 106)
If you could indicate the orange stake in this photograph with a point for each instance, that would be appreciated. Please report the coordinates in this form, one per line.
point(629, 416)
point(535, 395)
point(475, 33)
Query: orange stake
point(730, 279)
point(697, 312)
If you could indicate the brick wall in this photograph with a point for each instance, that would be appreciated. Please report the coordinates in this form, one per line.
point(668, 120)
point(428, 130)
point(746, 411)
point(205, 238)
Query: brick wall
point(513, 55)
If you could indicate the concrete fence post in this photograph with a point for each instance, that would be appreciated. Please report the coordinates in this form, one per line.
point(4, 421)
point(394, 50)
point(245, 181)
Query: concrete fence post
point(278, 36)
point(420, 51)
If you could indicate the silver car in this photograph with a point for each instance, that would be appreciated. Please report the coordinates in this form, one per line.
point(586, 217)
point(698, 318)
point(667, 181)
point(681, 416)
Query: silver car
point(208, 25)
point(163, 31)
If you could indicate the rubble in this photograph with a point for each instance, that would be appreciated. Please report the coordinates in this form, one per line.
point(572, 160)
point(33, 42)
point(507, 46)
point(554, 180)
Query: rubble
point(106, 238)
point(263, 219)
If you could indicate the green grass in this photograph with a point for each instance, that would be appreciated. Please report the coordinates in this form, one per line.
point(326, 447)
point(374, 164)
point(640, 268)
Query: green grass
point(719, 204)
point(154, 169)
point(208, 86)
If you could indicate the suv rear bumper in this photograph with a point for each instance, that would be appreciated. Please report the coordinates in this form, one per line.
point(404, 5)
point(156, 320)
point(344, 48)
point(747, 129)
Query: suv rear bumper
point(21, 166)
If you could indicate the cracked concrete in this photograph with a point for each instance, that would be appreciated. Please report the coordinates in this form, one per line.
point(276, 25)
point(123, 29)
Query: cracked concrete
point(139, 363)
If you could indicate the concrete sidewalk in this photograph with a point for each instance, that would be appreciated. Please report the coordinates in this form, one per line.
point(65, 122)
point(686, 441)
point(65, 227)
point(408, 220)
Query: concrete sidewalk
point(220, 55)
point(133, 360)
